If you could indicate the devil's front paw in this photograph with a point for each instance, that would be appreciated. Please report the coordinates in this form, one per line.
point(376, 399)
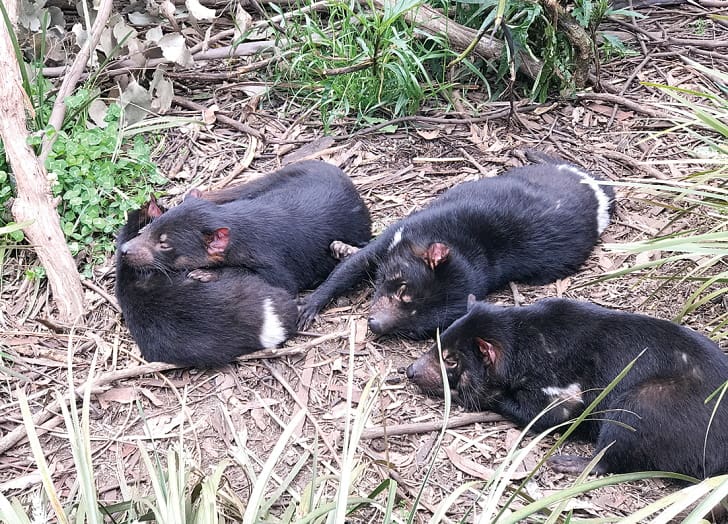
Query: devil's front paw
point(203, 275)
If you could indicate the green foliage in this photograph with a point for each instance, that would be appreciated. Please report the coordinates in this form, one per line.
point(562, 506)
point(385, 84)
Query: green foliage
point(98, 174)
point(96, 183)
point(95, 176)
point(362, 60)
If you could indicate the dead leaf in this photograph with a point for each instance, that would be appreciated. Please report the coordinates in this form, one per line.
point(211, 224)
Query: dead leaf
point(142, 19)
point(97, 110)
point(643, 258)
point(136, 101)
point(120, 395)
point(174, 49)
point(360, 330)
point(243, 21)
point(163, 425)
point(198, 11)
point(429, 135)
point(562, 285)
point(468, 466)
point(151, 397)
point(259, 417)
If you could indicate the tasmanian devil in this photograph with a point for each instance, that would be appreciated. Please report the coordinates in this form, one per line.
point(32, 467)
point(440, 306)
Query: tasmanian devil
point(204, 320)
point(280, 227)
point(533, 224)
point(560, 354)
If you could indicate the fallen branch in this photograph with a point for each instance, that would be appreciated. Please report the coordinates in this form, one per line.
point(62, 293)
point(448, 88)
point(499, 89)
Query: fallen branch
point(434, 22)
point(426, 427)
point(637, 107)
point(33, 203)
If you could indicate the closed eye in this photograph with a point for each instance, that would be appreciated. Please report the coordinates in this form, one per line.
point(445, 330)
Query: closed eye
point(163, 244)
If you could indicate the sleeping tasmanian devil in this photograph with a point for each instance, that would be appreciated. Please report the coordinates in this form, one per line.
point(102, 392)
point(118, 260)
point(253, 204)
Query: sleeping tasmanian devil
point(279, 227)
point(533, 224)
point(518, 361)
point(204, 320)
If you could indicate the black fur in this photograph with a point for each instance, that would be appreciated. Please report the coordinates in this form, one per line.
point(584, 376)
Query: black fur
point(533, 224)
point(518, 360)
point(280, 228)
point(205, 321)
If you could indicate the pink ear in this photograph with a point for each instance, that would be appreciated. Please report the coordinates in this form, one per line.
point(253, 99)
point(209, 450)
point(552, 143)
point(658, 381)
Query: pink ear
point(488, 350)
point(436, 254)
point(153, 210)
point(218, 241)
point(194, 193)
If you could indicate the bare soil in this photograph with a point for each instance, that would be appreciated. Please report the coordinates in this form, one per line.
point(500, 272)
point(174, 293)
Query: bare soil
point(613, 134)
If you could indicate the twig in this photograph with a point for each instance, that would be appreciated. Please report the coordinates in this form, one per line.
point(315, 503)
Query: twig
point(616, 99)
point(498, 113)
point(426, 427)
point(74, 73)
point(292, 350)
point(626, 159)
point(103, 294)
point(243, 128)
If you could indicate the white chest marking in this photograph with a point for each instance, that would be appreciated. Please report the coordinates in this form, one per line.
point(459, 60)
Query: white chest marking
point(603, 200)
point(571, 393)
point(271, 332)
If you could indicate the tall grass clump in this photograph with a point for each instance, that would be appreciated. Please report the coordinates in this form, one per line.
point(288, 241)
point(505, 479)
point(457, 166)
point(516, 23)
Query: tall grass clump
point(368, 59)
point(362, 61)
point(701, 199)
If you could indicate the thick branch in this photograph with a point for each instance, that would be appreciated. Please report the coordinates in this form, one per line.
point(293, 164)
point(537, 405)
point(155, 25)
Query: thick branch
point(34, 202)
point(432, 21)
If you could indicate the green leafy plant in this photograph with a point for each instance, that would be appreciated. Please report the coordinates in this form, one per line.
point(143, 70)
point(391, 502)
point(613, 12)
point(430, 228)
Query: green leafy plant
point(98, 181)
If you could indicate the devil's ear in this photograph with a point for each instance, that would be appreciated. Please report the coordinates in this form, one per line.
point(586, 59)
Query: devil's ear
point(471, 301)
point(193, 193)
point(153, 210)
point(435, 254)
point(489, 351)
point(217, 241)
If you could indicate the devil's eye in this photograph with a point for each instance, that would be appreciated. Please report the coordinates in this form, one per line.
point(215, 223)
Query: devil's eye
point(163, 244)
point(450, 361)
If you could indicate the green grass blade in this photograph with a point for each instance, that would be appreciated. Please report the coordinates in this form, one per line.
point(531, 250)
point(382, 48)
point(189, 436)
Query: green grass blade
point(257, 495)
point(40, 459)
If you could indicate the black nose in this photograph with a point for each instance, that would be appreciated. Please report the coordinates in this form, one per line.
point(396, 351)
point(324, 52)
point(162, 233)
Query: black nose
point(410, 371)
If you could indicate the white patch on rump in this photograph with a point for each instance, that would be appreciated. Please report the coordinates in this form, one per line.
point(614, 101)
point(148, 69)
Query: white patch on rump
point(572, 392)
point(396, 239)
point(271, 332)
point(603, 201)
